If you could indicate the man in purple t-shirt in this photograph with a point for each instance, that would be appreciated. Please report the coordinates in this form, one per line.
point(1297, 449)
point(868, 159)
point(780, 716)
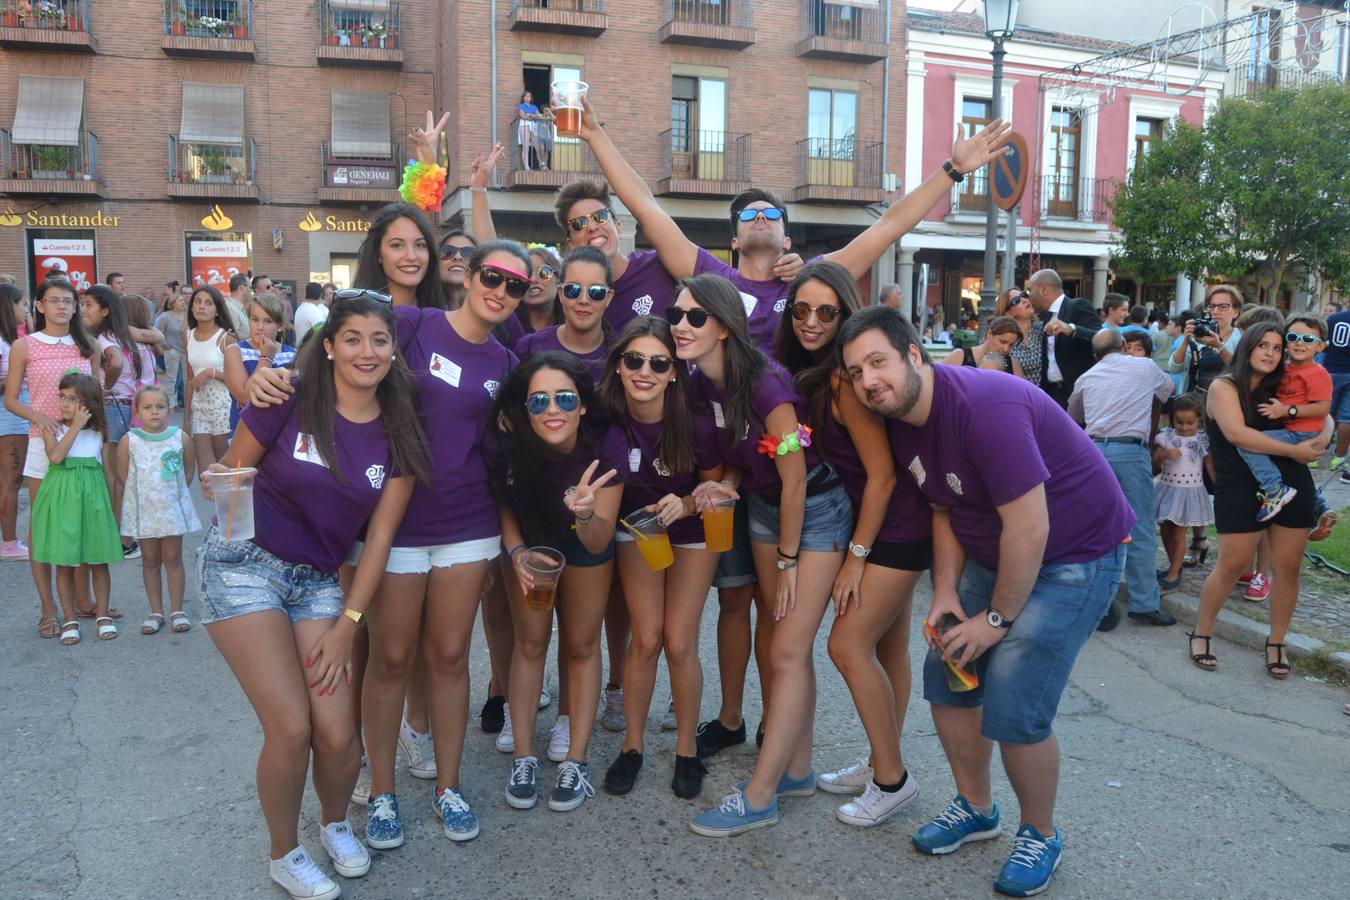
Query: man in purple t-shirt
point(1027, 529)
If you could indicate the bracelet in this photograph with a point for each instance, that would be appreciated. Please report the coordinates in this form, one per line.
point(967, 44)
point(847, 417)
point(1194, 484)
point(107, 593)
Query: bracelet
point(581, 521)
point(952, 172)
point(786, 555)
point(791, 442)
point(474, 190)
point(423, 185)
point(511, 554)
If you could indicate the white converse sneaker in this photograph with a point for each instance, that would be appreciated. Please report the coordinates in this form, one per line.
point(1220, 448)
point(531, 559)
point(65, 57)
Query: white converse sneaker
point(418, 750)
point(668, 723)
point(611, 714)
point(560, 739)
point(875, 805)
point(350, 857)
point(506, 741)
point(848, 780)
point(361, 793)
point(299, 877)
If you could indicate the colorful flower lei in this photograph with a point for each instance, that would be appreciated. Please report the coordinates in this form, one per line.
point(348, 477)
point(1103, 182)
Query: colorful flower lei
point(423, 185)
point(788, 443)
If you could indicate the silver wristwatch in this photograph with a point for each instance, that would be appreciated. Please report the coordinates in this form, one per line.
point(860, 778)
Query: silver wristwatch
point(996, 618)
point(859, 550)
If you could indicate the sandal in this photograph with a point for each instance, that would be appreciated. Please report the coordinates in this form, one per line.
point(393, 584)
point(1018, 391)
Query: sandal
point(113, 613)
point(181, 622)
point(153, 624)
point(1197, 554)
point(49, 627)
point(1207, 661)
point(1325, 523)
point(106, 632)
point(70, 634)
point(1280, 668)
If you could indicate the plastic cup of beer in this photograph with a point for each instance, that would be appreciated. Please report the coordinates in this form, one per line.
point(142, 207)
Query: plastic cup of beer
point(718, 520)
point(545, 566)
point(566, 97)
point(652, 541)
point(959, 678)
point(233, 493)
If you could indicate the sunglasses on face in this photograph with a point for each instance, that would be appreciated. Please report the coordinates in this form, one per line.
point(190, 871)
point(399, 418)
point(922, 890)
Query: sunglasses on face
point(358, 293)
point(1014, 300)
point(697, 317)
point(771, 213)
point(537, 404)
point(825, 313)
point(1296, 338)
point(545, 273)
point(632, 361)
point(450, 251)
point(599, 217)
point(492, 279)
point(596, 293)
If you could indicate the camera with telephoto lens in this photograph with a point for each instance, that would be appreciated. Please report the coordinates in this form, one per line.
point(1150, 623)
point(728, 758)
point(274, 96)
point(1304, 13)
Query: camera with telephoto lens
point(1205, 326)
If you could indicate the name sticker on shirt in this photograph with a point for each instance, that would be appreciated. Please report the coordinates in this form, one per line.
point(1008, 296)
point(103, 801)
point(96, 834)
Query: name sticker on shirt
point(445, 369)
point(634, 459)
point(916, 469)
point(750, 301)
point(306, 450)
point(718, 418)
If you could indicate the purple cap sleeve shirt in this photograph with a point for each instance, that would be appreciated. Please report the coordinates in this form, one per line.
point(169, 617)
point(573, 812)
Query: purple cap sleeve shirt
point(644, 289)
point(647, 479)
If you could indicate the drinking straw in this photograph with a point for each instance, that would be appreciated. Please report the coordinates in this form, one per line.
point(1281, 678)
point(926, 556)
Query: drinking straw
point(229, 509)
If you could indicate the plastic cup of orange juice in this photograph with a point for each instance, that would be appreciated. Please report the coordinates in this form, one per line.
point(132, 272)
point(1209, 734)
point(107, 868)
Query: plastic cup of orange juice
point(718, 521)
point(652, 541)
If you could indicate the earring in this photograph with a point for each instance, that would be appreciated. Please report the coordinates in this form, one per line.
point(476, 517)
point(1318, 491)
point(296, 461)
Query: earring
point(330, 357)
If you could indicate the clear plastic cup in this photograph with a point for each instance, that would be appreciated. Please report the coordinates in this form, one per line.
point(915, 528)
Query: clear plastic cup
point(652, 541)
point(545, 566)
point(959, 678)
point(566, 96)
point(233, 493)
point(718, 524)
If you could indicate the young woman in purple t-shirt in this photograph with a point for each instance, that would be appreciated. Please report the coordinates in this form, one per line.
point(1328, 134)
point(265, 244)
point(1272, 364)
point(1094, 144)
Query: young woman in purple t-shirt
point(890, 547)
point(585, 291)
point(670, 450)
point(343, 451)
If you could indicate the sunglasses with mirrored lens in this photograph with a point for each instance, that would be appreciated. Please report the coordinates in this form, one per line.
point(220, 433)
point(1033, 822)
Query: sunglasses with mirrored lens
point(632, 361)
point(697, 317)
point(772, 213)
point(1294, 337)
point(1014, 300)
point(596, 293)
point(825, 313)
point(545, 273)
point(358, 293)
point(450, 251)
point(493, 278)
point(599, 217)
point(537, 404)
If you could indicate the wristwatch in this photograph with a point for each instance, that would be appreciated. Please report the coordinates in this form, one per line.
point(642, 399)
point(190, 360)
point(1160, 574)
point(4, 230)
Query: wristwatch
point(1293, 411)
point(859, 550)
point(358, 618)
point(997, 619)
point(786, 564)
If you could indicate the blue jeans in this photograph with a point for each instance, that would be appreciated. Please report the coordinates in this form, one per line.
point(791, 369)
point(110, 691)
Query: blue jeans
point(1134, 470)
point(1263, 468)
point(1340, 397)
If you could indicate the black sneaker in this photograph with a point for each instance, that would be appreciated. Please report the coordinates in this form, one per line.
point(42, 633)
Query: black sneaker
point(688, 780)
point(132, 550)
point(714, 737)
point(622, 775)
point(493, 716)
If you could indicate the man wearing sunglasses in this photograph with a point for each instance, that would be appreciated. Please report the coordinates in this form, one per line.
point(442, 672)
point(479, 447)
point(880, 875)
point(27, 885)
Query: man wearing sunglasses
point(759, 224)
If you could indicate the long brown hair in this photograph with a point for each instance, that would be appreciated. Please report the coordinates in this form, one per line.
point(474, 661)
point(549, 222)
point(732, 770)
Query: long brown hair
point(1240, 372)
point(675, 445)
point(813, 371)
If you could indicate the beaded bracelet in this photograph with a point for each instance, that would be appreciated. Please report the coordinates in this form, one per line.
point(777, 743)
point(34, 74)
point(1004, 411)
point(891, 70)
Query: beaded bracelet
point(423, 185)
point(791, 442)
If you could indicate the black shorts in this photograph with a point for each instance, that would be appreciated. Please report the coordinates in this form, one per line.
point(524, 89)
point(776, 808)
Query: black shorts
point(912, 556)
point(1236, 505)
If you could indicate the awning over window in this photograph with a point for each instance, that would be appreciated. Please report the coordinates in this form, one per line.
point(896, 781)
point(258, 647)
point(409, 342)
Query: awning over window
point(50, 111)
point(212, 114)
point(863, 4)
point(361, 125)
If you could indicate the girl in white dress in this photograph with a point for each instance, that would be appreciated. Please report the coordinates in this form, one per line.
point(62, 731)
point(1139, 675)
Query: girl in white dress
point(206, 410)
point(1182, 499)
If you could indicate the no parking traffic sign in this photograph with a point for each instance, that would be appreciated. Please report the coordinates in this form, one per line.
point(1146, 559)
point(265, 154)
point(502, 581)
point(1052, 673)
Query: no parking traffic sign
point(1009, 175)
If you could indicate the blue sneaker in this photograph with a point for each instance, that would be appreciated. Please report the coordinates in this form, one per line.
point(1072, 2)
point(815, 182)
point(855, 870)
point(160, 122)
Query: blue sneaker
point(733, 816)
point(954, 826)
point(384, 831)
point(458, 820)
point(791, 787)
point(1033, 860)
point(1271, 504)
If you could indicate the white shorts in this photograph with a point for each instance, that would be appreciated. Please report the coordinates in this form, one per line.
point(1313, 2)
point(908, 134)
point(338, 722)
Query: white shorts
point(420, 560)
point(36, 462)
point(623, 537)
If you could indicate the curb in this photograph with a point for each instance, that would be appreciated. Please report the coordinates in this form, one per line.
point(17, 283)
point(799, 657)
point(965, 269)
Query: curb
point(1245, 632)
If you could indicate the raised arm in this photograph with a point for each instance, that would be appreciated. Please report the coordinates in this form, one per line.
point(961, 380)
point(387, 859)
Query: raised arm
point(480, 173)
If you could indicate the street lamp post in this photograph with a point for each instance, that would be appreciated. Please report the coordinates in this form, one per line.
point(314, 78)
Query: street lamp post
point(1000, 20)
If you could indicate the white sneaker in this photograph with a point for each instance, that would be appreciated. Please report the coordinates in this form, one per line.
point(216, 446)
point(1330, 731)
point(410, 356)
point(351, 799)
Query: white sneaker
point(848, 780)
point(560, 738)
point(545, 696)
point(611, 714)
point(361, 793)
point(299, 877)
point(418, 750)
point(668, 723)
point(875, 805)
point(350, 857)
point(506, 741)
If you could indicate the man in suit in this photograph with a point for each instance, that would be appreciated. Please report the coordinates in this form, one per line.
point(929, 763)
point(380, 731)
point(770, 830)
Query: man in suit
point(1069, 327)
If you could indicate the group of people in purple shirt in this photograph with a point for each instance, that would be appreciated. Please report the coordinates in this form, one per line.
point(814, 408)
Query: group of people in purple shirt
point(445, 425)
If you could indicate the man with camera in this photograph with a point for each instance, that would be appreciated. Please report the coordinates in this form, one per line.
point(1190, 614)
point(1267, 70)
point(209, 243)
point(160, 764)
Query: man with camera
point(1209, 339)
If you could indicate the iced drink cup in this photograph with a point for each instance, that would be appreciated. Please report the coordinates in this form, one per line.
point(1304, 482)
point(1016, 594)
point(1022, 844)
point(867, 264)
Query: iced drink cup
point(545, 566)
point(233, 493)
point(959, 678)
point(566, 97)
point(718, 520)
point(652, 541)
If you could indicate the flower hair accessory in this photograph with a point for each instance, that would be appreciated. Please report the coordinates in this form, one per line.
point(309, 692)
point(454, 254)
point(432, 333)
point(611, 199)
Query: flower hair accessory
point(423, 185)
point(788, 443)
point(72, 372)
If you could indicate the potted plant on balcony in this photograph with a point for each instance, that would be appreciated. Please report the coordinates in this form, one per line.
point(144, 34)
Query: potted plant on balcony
point(216, 27)
point(14, 14)
point(48, 162)
point(240, 24)
point(376, 34)
point(50, 14)
point(176, 14)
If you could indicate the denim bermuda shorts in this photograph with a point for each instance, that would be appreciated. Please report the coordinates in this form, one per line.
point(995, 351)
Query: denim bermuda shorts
point(736, 567)
point(1023, 676)
point(241, 578)
point(119, 416)
point(826, 527)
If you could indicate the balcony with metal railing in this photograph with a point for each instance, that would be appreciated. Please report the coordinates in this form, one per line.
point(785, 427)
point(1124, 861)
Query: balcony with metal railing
point(213, 171)
point(843, 32)
point(49, 170)
point(208, 29)
point(359, 180)
point(1258, 78)
point(728, 24)
point(1085, 201)
point(55, 25)
point(361, 33)
point(838, 171)
point(568, 159)
point(586, 18)
point(970, 198)
point(703, 163)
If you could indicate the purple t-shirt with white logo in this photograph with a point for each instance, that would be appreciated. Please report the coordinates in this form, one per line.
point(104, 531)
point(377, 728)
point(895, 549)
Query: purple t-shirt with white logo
point(646, 479)
point(611, 450)
point(992, 437)
point(774, 388)
point(457, 385)
point(644, 289)
point(768, 297)
point(301, 512)
point(908, 517)
point(547, 339)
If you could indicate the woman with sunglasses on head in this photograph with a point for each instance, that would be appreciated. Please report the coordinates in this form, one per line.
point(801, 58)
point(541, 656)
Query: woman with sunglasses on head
point(556, 477)
point(995, 351)
point(890, 548)
point(669, 452)
point(799, 524)
point(1029, 352)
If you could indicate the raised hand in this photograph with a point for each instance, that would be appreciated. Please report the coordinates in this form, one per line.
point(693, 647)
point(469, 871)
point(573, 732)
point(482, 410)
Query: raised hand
point(480, 170)
point(581, 499)
point(983, 146)
point(426, 142)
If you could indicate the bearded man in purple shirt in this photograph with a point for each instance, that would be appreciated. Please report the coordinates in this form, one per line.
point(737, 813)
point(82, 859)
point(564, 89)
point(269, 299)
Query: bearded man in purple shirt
point(1027, 529)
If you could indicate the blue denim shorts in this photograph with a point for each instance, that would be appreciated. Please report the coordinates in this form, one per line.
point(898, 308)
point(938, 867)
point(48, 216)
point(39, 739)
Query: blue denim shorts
point(575, 552)
point(118, 415)
point(736, 567)
point(241, 578)
point(1023, 676)
point(826, 527)
point(10, 424)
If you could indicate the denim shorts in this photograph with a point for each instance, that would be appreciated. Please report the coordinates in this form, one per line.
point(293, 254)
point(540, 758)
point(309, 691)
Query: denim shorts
point(1023, 676)
point(826, 527)
point(10, 424)
point(1340, 397)
point(118, 415)
point(736, 567)
point(241, 578)
point(575, 552)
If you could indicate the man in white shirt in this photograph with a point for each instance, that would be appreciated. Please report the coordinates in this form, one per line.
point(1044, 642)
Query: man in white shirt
point(309, 312)
point(1069, 327)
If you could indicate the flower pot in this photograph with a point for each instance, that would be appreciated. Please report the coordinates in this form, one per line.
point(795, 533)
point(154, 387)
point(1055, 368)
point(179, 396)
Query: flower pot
point(74, 23)
point(9, 19)
point(241, 32)
point(334, 40)
point(178, 28)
